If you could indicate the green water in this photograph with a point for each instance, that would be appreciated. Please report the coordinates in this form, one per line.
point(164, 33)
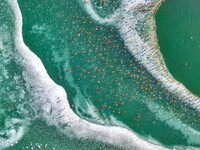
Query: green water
point(70, 44)
point(91, 62)
point(178, 34)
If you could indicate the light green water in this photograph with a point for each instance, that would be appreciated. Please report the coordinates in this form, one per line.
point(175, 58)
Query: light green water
point(72, 46)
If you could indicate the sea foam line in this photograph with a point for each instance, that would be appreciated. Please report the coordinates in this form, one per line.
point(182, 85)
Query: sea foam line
point(50, 92)
point(125, 19)
point(13, 135)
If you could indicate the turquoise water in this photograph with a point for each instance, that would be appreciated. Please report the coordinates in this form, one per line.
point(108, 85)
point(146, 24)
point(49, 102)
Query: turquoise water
point(105, 83)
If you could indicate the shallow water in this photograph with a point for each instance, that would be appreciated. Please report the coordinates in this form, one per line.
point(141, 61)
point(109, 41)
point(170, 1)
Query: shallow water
point(106, 82)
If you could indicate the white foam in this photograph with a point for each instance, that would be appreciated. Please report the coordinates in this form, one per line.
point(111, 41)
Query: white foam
point(90, 10)
point(47, 90)
point(151, 57)
point(13, 134)
point(1, 44)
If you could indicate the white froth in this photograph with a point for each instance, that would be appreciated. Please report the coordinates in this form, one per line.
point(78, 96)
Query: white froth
point(1, 44)
point(61, 113)
point(13, 134)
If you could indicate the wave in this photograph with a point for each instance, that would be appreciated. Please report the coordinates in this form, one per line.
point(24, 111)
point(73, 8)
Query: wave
point(126, 20)
point(54, 104)
point(13, 123)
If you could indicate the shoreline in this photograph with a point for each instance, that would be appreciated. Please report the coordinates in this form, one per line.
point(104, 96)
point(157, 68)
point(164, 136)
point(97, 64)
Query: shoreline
point(56, 109)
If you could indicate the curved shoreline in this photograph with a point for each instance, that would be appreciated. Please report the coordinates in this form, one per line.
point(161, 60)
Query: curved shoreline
point(145, 51)
point(56, 109)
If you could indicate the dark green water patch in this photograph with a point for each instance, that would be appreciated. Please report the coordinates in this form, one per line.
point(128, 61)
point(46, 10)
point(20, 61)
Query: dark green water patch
point(179, 38)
